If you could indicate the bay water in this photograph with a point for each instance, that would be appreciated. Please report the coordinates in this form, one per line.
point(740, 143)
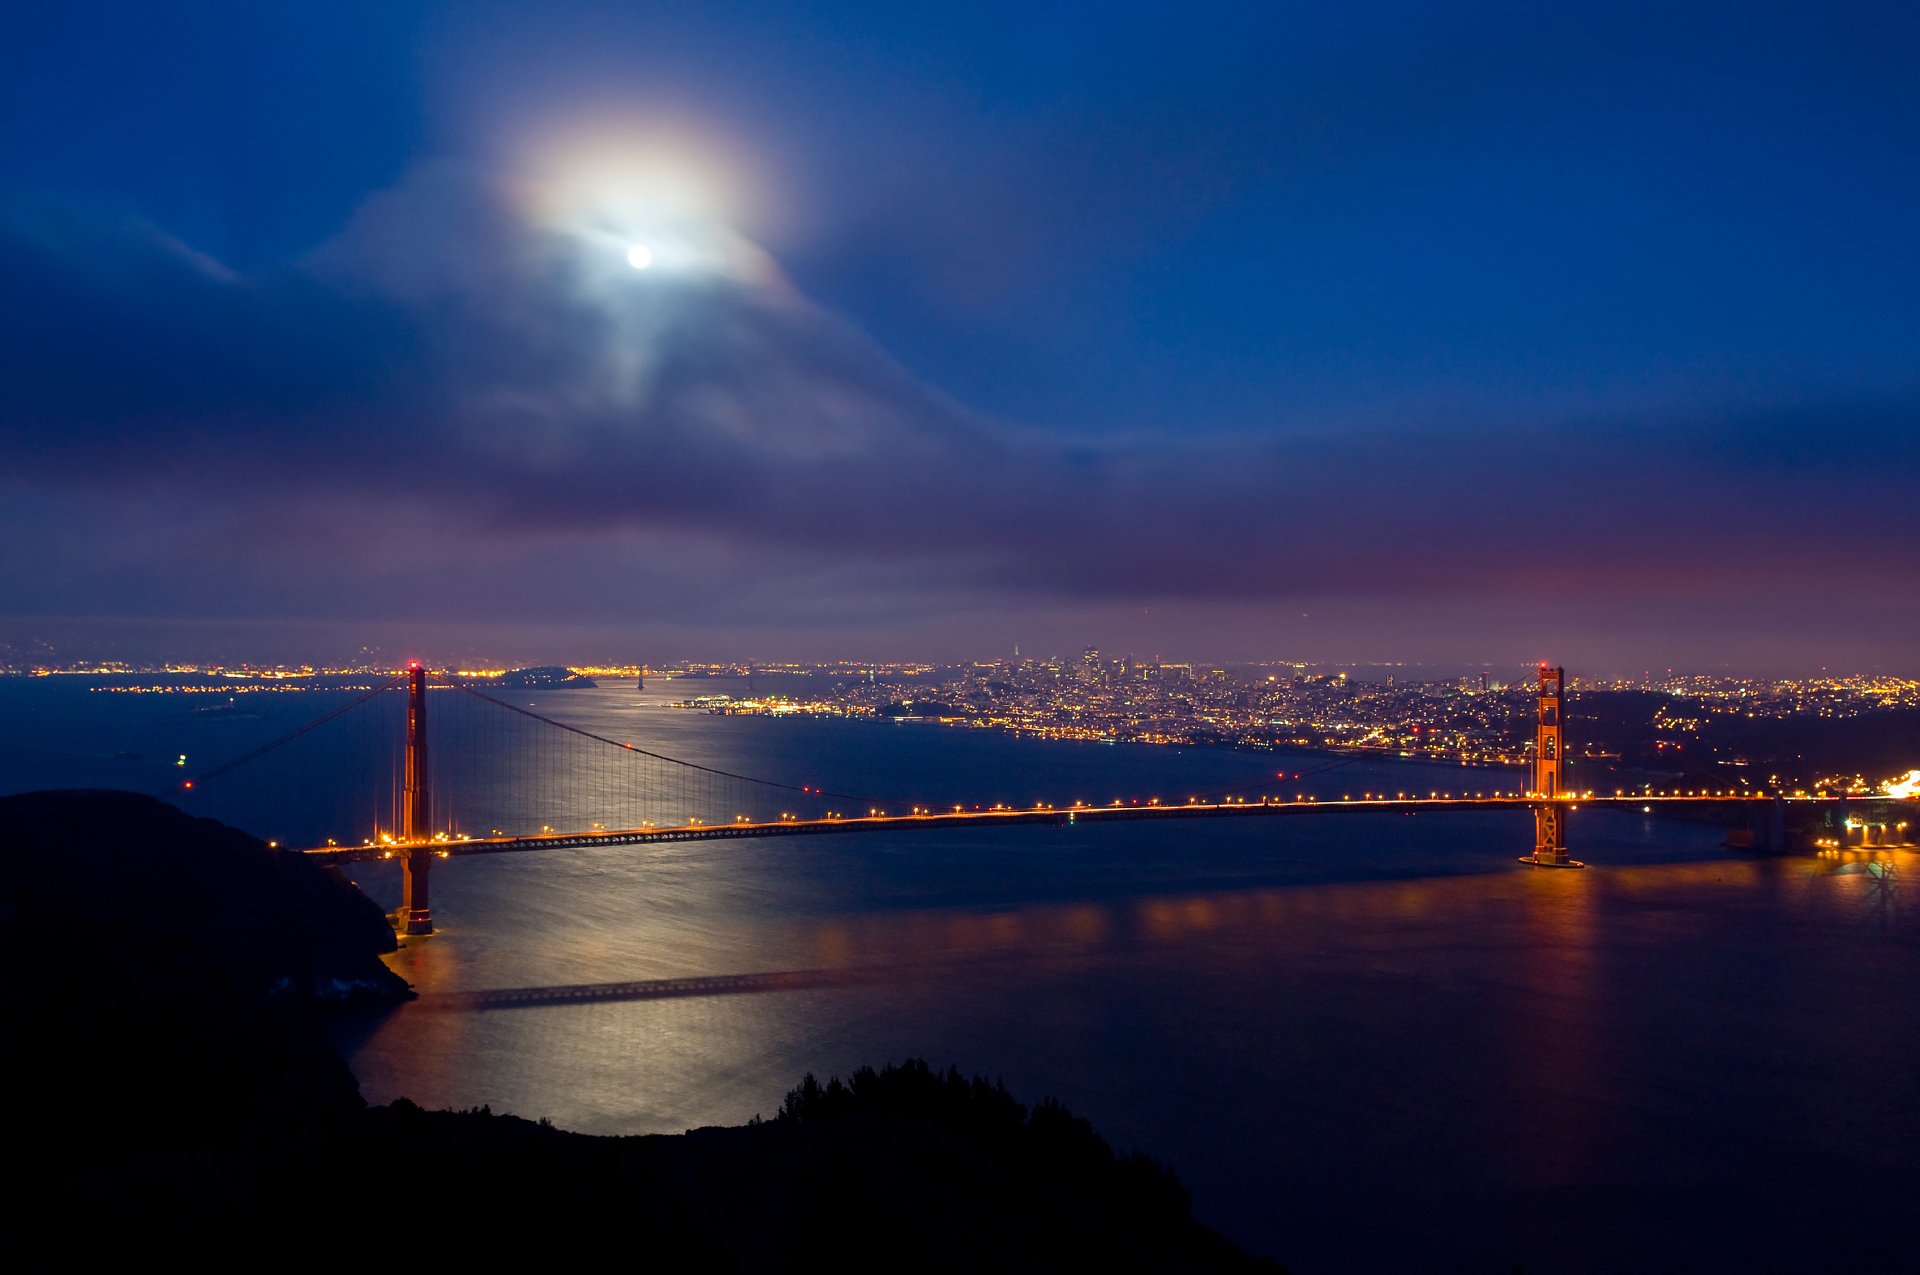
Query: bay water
point(1364, 1042)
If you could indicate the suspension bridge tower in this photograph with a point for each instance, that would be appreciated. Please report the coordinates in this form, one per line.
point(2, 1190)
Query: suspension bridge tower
point(1549, 761)
point(416, 913)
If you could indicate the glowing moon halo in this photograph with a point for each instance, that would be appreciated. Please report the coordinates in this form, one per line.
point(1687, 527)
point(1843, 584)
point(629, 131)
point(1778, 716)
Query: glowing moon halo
point(639, 256)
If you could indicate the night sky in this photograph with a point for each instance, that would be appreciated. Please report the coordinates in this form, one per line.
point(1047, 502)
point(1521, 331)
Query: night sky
point(1427, 332)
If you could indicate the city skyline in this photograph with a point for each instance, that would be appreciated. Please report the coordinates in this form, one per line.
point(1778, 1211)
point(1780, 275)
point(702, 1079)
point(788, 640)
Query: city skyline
point(94, 654)
point(1485, 336)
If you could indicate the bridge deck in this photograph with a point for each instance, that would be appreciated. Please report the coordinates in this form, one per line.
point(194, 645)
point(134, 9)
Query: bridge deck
point(922, 819)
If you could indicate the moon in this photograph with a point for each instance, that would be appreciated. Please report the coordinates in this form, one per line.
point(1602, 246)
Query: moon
point(639, 256)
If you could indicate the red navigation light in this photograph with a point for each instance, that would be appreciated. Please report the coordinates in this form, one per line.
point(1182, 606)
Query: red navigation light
point(413, 664)
point(188, 784)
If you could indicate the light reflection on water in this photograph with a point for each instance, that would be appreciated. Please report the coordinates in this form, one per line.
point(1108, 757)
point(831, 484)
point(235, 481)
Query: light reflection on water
point(1470, 1052)
point(1365, 1043)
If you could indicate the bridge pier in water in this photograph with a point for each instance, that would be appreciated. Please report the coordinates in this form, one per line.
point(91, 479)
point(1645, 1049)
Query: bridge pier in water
point(416, 912)
point(1549, 760)
point(1770, 827)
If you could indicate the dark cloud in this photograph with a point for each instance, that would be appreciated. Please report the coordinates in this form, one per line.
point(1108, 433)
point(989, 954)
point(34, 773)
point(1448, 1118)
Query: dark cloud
point(447, 413)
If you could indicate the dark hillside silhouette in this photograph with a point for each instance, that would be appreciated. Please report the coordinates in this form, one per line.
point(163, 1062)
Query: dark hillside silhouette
point(172, 1093)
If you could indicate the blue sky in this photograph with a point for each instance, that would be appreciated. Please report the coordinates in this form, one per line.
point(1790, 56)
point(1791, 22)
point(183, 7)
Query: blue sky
point(1467, 332)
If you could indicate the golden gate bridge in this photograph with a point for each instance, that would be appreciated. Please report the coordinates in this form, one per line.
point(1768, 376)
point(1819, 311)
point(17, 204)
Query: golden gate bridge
point(494, 777)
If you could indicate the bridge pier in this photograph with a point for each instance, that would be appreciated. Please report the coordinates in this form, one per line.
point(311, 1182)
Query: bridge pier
point(416, 912)
point(1770, 831)
point(1549, 756)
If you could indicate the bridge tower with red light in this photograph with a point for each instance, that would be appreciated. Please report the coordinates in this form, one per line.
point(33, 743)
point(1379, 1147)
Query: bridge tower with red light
point(416, 913)
point(1549, 774)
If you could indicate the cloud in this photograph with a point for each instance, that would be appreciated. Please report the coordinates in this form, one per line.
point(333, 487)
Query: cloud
point(452, 407)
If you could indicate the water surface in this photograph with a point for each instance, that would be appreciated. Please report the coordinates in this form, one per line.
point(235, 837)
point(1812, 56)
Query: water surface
point(1365, 1042)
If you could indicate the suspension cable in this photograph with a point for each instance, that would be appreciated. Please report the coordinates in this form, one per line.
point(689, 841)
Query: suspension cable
point(633, 748)
point(289, 737)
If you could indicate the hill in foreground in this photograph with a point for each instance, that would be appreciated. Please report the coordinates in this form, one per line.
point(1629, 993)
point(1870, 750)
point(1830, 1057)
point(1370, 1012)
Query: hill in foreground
point(173, 1092)
point(277, 924)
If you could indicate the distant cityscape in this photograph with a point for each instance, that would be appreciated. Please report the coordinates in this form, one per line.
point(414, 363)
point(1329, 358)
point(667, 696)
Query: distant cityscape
point(1835, 732)
point(1753, 732)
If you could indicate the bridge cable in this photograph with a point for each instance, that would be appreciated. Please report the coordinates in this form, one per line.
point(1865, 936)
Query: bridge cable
point(288, 738)
point(634, 748)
